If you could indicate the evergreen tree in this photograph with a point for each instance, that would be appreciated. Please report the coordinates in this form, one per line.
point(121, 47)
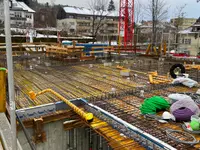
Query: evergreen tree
point(111, 6)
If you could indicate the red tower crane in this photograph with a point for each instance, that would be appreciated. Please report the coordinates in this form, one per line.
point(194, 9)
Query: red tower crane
point(126, 21)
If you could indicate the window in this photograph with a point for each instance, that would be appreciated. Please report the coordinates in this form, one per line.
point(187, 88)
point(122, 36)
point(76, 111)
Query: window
point(28, 16)
point(28, 24)
point(42, 18)
point(188, 41)
point(83, 24)
point(182, 41)
point(72, 30)
point(71, 16)
point(87, 18)
point(18, 14)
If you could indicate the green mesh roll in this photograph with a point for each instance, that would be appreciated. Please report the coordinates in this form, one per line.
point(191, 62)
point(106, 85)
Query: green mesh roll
point(153, 105)
point(3, 69)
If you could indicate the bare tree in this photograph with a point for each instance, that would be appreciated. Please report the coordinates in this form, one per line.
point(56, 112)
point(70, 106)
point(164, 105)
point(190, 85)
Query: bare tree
point(66, 29)
point(99, 12)
point(138, 11)
point(158, 11)
point(178, 20)
point(53, 2)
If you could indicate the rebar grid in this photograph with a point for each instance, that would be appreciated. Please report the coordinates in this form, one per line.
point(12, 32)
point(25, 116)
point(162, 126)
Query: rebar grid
point(75, 81)
point(126, 107)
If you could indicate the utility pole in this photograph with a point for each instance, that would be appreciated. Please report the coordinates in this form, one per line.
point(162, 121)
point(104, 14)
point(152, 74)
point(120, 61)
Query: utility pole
point(10, 73)
point(198, 43)
point(153, 23)
point(169, 42)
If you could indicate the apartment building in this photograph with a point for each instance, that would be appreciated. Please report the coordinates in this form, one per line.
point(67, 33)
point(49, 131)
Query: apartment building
point(80, 21)
point(21, 16)
point(185, 22)
point(190, 38)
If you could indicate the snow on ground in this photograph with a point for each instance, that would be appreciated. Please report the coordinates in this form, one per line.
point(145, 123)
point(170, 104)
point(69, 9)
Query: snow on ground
point(113, 43)
point(46, 36)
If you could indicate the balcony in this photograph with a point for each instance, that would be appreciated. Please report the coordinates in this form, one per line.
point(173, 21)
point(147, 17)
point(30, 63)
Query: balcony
point(84, 27)
point(112, 28)
point(83, 20)
point(18, 18)
point(111, 22)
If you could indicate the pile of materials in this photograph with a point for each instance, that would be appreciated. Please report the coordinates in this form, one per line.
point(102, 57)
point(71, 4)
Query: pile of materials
point(153, 105)
point(185, 81)
point(183, 107)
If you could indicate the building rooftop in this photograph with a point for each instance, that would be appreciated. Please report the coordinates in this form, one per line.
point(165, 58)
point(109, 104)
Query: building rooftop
point(185, 18)
point(191, 28)
point(22, 6)
point(186, 31)
point(86, 11)
point(160, 25)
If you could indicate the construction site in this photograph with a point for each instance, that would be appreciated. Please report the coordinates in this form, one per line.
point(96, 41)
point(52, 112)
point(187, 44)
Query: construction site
point(86, 96)
point(95, 102)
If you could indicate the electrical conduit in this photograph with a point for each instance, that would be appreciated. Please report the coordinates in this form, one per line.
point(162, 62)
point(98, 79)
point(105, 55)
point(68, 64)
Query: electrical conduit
point(86, 116)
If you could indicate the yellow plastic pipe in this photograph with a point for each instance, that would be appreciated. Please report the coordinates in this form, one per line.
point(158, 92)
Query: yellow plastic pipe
point(148, 49)
point(151, 79)
point(86, 116)
point(155, 51)
point(2, 91)
point(164, 48)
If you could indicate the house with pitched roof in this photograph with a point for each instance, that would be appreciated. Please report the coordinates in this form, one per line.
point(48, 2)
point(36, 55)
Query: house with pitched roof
point(21, 16)
point(190, 38)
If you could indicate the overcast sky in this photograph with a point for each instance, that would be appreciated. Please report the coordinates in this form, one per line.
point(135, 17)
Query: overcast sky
point(192, 8)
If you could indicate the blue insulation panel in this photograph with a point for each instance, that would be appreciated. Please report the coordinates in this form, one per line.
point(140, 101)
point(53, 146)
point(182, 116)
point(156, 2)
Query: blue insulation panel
point(88, 47)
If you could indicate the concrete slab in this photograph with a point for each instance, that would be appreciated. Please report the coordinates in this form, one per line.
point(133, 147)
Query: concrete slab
point(5, 133)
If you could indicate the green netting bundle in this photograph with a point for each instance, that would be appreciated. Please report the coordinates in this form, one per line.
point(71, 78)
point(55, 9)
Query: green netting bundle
point(3, 69)
point(153, 105)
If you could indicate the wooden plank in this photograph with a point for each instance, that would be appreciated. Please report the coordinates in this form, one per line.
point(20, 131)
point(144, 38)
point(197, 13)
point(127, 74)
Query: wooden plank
point(1, 144)
point(2, 91)
point(101, 47)
point(73, 124)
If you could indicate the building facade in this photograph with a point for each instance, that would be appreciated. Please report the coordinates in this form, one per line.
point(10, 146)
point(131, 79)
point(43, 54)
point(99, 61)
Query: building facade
point(184, 22)
point(189, 38)
point(81, 21)
point(144, 32)
point(21, 16)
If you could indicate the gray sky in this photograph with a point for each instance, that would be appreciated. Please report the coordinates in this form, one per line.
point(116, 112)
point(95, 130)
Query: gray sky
point(191, 9)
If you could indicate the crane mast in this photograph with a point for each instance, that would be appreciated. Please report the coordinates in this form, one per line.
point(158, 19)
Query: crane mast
point(126, 22)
